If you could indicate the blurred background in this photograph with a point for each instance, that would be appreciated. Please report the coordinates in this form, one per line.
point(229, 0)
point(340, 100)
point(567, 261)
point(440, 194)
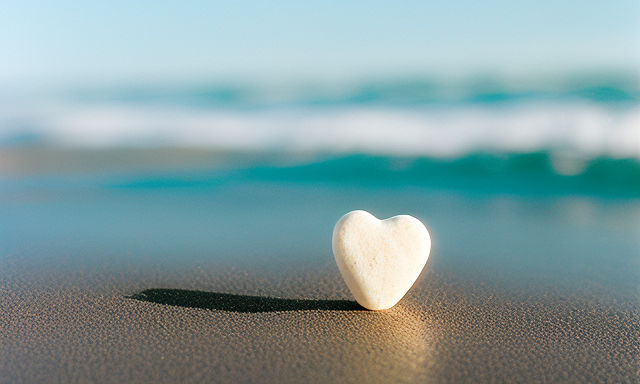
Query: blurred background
point(240, 132)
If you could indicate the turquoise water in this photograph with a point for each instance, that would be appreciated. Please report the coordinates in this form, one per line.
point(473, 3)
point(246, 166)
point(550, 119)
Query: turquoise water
point(406, 92)
point(523, 184)
point(488, 228)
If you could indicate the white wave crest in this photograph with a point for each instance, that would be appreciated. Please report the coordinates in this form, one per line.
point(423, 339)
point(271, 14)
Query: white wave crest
point(584, 128)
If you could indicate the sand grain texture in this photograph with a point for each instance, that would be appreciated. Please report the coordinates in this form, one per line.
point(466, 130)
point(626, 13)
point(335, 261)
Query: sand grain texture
point(216, 325)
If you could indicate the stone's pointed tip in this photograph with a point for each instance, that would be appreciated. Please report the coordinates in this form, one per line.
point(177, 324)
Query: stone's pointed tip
point(381, 309)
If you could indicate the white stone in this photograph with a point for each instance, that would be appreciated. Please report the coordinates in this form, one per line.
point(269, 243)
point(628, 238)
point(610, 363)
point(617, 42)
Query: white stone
point(380, 259)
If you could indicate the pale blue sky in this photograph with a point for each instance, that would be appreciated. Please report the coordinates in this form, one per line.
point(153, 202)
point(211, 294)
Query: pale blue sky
point(150, 40)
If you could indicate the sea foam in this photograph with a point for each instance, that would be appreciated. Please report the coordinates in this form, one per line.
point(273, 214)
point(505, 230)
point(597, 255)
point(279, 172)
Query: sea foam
point(579, 128)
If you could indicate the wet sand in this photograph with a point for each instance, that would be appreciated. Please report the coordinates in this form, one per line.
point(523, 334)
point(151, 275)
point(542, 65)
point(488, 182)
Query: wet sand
point(209, 324)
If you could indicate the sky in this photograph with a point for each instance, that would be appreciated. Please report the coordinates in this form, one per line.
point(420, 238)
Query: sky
point(76, 41)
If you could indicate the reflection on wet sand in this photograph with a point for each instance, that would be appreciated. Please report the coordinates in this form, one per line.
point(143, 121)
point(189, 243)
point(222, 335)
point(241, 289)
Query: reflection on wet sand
point(380, 346)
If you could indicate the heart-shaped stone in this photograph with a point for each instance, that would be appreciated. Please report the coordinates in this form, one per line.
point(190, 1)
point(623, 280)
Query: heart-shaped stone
point(380, 259)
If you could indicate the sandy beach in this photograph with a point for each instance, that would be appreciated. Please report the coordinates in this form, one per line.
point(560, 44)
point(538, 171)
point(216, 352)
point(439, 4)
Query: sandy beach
point(212, 325)
point(220, 276)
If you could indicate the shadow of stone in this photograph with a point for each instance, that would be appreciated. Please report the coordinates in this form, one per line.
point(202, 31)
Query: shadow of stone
point(240, 303)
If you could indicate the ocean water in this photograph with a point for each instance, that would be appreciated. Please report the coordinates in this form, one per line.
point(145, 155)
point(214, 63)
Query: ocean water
point(521, 186)
point(582, 118)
